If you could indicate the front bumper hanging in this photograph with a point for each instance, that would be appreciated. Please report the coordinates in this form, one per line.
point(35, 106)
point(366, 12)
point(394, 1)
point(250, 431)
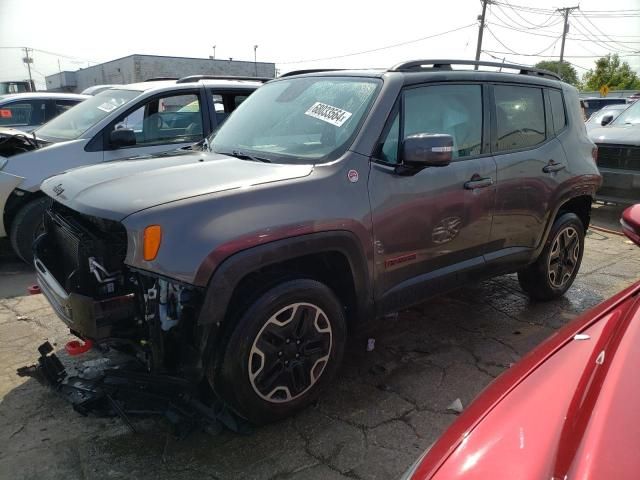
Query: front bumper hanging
point(129, 390)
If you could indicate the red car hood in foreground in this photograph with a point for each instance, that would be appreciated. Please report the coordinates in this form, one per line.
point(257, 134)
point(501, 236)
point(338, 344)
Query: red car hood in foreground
point(568, 410)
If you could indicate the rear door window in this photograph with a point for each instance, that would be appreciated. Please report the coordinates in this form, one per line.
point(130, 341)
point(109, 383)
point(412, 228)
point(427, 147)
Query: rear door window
point(22, 113)
point(519, 117)
point(225, 103)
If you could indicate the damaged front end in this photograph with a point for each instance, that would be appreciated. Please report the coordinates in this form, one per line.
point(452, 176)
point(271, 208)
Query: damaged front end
point(14, 142)
point(80, 268)
point(125, 390)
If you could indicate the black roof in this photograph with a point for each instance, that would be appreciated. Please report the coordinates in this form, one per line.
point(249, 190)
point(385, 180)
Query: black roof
point(417, 71)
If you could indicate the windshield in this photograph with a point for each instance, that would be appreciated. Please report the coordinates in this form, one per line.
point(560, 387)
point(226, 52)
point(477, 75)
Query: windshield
point(303, 119)
point(630, 116)
point(77, 120)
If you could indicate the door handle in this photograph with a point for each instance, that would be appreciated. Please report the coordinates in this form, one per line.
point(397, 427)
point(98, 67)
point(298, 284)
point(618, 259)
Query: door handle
point(552, 166)
point(478, 183)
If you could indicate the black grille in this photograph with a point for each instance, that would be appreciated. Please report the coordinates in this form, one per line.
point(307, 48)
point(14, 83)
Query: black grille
point(72, 239)
point(620, 157)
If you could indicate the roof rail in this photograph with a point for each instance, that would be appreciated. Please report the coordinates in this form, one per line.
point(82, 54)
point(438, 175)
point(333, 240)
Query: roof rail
point(417, 65)
point(197, 78)
point(159, 79)
point(310, 70)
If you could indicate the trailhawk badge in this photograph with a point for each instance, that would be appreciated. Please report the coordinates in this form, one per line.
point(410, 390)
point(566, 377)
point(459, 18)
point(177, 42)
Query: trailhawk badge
point(333, 115)
point(353, 176)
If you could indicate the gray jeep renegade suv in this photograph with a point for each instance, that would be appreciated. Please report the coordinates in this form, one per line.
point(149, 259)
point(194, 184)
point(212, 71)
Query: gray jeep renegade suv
point(327, 199)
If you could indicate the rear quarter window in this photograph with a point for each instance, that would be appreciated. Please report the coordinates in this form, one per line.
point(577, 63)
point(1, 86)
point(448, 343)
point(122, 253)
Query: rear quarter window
point(557, 110)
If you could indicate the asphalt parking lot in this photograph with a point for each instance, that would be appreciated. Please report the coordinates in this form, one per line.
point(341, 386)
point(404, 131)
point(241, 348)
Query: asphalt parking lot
point(385, 407)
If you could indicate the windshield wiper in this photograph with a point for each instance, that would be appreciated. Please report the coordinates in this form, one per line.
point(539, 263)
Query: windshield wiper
point(246, 156)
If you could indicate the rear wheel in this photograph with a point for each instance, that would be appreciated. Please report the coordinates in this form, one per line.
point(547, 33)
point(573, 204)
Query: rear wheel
point(26, 226)
point(557, 266)
point(285, 348)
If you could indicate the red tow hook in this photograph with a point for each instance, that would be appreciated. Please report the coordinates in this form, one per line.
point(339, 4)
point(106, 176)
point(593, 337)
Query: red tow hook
point(74, 347)
point(34, 289)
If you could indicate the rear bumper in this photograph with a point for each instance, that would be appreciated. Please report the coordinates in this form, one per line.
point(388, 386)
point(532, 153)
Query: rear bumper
point(619, 186)
point(84, 315)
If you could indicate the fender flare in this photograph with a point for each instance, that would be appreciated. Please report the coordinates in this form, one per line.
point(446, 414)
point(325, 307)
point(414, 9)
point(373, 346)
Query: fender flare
point(586, 191)
point(234, 268)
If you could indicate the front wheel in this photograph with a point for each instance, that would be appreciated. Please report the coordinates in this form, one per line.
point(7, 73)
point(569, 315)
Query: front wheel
point(551, 275)
point(26, 226)
point(285, 348)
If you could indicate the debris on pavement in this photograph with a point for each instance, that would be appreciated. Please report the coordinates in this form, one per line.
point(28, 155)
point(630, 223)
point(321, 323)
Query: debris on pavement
point(126, 390)
point(456, 406)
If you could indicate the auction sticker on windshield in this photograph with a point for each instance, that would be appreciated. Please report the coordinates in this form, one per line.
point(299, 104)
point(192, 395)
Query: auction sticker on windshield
point(333, 115)
point(107, 107)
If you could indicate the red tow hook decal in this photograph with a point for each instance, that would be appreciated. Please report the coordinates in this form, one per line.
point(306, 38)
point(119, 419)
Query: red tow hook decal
point(34, 289)
point(74, 347)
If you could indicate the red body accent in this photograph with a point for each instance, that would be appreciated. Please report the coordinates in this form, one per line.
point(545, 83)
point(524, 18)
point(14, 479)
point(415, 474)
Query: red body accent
point(34, 289)
point(631, 223)
point(74, 347)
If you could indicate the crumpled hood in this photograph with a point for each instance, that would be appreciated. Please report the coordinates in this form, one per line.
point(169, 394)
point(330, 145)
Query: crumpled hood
point(619, 135)
point(115, 190)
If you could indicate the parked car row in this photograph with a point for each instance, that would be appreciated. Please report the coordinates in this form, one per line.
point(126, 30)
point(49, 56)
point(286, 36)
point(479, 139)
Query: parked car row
point(120, 122)
point(618, 141)
point(327, 199)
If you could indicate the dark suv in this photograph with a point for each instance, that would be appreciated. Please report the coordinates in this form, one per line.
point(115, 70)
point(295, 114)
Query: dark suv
point(327, 199)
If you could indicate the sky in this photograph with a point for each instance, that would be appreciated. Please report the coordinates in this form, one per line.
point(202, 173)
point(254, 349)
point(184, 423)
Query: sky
point(71, 34)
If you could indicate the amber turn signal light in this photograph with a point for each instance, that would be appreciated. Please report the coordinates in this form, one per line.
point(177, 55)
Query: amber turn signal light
point(152, 239)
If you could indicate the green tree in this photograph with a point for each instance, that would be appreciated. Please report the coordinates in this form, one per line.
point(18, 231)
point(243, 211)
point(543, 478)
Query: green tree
point(613, 72)
point(566, 70)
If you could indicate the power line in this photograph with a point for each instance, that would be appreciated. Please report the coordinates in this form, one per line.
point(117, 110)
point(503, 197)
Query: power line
point(379, 48)
point(555, 41)
point(550, 34)
point(630, 13)
point(534, 25)
point(557, 56)
point(601, 43)
point(620, 43)
point(61, 55)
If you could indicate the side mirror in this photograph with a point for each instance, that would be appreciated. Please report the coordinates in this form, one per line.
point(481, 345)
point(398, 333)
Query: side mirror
point(606, 120)
point(122, 137)
point(427, 150)
point(630, 222)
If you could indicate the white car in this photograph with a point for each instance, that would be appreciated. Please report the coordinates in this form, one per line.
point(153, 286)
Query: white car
point(121, 122)
point(27, 111)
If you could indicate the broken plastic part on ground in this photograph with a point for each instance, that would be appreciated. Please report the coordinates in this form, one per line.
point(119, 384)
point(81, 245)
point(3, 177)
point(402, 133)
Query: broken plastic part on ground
point(127, 390)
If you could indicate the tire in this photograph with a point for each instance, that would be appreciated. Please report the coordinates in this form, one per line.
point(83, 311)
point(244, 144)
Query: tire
point(551, 275)
point(260, 376)
point(26, 225)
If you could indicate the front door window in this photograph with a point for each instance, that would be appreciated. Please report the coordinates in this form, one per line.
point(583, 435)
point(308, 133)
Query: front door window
point(164, 120)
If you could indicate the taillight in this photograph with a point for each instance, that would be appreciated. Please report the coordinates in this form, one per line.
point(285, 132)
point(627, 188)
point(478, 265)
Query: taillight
point(594, 154)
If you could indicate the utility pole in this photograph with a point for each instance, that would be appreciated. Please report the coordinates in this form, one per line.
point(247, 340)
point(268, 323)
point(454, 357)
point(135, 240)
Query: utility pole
point(480, 31)
point(255, 58)
point(28, 61)
point(566, 11)
point(214, 52)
